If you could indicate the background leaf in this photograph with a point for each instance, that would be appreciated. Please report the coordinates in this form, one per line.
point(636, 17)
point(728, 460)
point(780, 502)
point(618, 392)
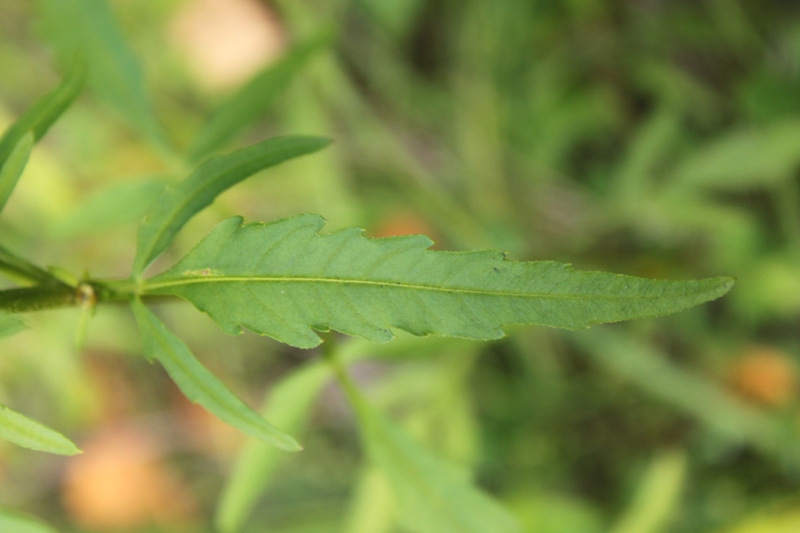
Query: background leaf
point(720, 411)
point(88, 27)
point(12, 168)
point(9, 325)
point(283, 279)
point(28, 433)
point(15, 522)
point(753, 157)
point(178, 203)
point(289, 406)
point(201, 386)
point(114, 206)
point(254, 98)
point(45, 111)
point(432, 495)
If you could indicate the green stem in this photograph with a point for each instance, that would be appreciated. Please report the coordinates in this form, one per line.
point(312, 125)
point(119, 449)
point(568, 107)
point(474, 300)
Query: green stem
point(54, 295)
point(37, 298)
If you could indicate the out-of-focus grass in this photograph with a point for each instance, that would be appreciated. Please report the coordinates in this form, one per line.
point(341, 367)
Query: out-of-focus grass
point(654, 138)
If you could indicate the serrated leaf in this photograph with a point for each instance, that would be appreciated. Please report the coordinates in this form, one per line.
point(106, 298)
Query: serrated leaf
point(254, 98)
point(201, 386)
point(38, 118)
point(9, 325)
point(432, 495)
point(12, 168)
point(14, 522)
point(28, 433)
point(177, 204)
point(88, 26)
point(284, 279)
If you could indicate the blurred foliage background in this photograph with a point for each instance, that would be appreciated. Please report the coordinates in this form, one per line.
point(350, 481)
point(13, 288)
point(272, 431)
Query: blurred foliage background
point(648, 137)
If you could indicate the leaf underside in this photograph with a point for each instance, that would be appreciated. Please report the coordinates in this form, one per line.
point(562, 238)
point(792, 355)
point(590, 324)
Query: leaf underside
point(28, 433)
point(199, 385)
point(285, 280)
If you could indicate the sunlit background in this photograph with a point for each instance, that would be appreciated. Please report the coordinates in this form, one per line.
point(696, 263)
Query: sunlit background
point(659, 138)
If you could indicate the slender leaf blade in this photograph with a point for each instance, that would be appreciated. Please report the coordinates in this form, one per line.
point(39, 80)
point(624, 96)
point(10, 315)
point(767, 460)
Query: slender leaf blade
point(114, 72)
point(284, 280)
point(743, 159)
point(28, 433)
point(289, 406)
point(114, 206)
point(15, 522)
point(177, 204)
point(432, 495)
point(20, 269)
point(201, 386)
point(254, 98)
point(11, 170)
point(44, 112)
point(10, 325)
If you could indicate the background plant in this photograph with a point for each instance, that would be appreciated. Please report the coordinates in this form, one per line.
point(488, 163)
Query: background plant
point(656, 140)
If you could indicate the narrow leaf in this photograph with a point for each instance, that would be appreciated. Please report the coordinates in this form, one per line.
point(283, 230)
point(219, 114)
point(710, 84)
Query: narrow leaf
point(42, 114)
point(743, 159)
point(289, 407)
point(9, 325)
point(11, 170)
point(114, 73)
point(15, 522)
point(283, 279)
point(432, 495)
point(177, 204)
point(28, 433)
point(20, 269)
point(199, 385)
point(117, 205)
point(707, 402)
point(251, 101)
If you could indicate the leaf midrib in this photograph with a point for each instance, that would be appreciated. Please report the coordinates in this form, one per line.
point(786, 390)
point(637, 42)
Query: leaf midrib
point(153, 286)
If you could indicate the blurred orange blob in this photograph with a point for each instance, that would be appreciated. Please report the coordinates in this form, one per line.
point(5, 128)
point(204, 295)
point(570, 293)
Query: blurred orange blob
point(766, 376)
point(227, 41)
point(403, 223)
point(120, 482)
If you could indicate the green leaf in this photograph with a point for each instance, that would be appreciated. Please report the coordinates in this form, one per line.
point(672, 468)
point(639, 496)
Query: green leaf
point(254, 98)
point(432, 495)
point(41, 115)
point(199, 385)
point(11, 170)
point(177, 204)
point(15, 522)
point(283, 279)
point(9, 325)
point(115, 206)
point(289, 407)
point(88, 27)
point(28, 433)
point(709, 403)
point(743, 159)
point(22, 270)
